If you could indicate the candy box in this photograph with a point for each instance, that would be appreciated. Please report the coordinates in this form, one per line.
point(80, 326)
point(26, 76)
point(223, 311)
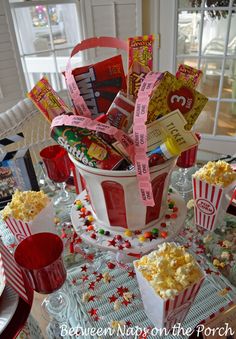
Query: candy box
point(211, 203)
point(170, 94)
point(16, 171)
point(42, 222)
point(47, 100)
point(165, 313)
point(99, 83)
point(140, 61)
point(87, 147)
point(120, 113)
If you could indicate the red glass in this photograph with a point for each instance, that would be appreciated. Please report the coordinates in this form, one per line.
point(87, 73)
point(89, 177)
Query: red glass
point(57, 163)
point(39, 256)
point(188, 158)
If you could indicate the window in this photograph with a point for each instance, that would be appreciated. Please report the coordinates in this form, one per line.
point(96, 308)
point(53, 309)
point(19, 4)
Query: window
point(46, 33)
point(203, 33)
point(47, 30)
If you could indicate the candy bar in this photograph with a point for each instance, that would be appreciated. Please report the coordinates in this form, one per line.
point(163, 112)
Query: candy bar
point(120, 113)
point(47, 100)
point(140, 61)
point(170, 94)
point(87, 147)
point(191, 76)
point(99, 83)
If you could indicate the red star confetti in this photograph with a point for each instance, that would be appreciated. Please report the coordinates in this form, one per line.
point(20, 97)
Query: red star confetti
point(92, 285)
point(95, 273)
point(84, 278)
point(128, 323)
point(78, 240)
point(199, 252)
point(121, 290)
point(84, 268)
point(120, 247)
point(113, 298)
point(96, 318)
point(131, 274)
point(208, 271)
point(99, 277)
point(90, 257)
point(126, 302)
point(93, 312)
point(74, 281)
point(112, 243)
point(91, 298)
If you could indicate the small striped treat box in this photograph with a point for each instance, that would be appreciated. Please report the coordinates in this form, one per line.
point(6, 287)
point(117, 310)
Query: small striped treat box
point(11, 273)
point(43, 222)
point(165, 313)
point(210, 203)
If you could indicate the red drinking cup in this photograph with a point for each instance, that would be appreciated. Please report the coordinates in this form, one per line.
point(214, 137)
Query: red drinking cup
point(40, 258)
point(188, 158)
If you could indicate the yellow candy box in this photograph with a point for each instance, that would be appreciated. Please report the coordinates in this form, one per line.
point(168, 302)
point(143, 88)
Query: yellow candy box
point(170, 94)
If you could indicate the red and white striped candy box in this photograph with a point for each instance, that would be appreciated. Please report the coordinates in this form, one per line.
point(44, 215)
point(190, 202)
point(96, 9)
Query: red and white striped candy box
point(43, 222)
point(115, 197)
point(165, 313)
point(210, 203)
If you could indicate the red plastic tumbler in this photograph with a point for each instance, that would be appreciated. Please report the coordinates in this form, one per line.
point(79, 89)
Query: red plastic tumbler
point(40, 258)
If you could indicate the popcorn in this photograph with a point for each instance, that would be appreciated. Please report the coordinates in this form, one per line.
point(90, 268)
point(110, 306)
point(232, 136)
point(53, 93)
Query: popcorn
point(225, 255)
point(128, 296)
point(169, 270)
point(107, 277)
point(190, 204)
point(25, 205)
point(117, 305)
point(117, 324)
point(85, 297)
point(216, 173)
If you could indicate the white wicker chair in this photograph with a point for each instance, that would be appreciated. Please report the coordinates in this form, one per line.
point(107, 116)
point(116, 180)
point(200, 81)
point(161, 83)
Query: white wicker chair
point(25, 117)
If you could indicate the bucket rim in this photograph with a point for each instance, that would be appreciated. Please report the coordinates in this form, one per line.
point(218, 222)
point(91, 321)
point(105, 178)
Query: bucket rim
point(167, 164)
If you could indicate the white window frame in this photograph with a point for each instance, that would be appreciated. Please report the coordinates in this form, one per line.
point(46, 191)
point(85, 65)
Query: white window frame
point(163, 9)
point(32, 61)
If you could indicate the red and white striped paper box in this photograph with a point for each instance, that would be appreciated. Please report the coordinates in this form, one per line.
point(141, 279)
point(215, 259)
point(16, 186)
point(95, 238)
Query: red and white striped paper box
point(211, 203)
point(166, 313)
point(43, 222)
point(12, 273)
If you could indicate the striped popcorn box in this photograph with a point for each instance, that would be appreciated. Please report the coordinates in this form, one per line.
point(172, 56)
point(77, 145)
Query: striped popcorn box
point(165, 313)
point(12, 274)
point(43, 222)
point(211, 202)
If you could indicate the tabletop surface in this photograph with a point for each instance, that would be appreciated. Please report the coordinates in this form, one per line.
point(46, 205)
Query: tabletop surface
point(98, 311)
